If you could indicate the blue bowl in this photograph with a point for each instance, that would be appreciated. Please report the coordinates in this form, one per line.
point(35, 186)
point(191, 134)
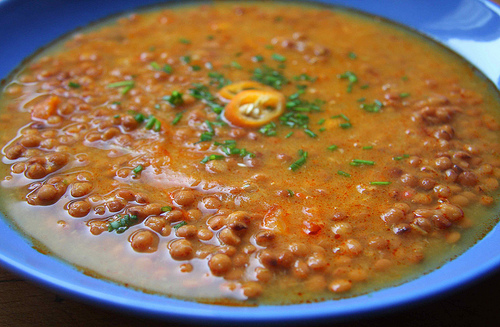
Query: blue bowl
point(469, 27)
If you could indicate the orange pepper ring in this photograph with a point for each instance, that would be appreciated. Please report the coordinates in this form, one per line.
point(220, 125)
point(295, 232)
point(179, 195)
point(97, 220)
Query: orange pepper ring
point(254, 108)
point(228, 92)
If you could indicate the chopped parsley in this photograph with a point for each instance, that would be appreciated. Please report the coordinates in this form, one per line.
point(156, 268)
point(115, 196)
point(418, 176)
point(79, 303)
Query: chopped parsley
point(177, 118)
point(310, 133)
point(186, 59)
point(74, 85)
point(352, 55)
point(343, 173)
point(268, 76)
point(404, 95)
point(122, 224)
point(372, 107)
point(333, 147)
point(184, 41)
point(205, 137)
point(138, 169)
point(229, 148)
point(404, 156)
point(380, 183)
point(351, 78)
point(201, 92)
point(166, 208)
point(179, 225)
point(236, 65)
point(174, 99)
point(305, 77)
point(345, 125)
point(258, 58)
point(155, 66)
point(212, 157)
point(124, 85)
point(300, 162)
point(359, 162)
point(167, 69)
point(139, 117)
point(218, 79)
point(153, 123)
point(268, 129)
point(278, 57)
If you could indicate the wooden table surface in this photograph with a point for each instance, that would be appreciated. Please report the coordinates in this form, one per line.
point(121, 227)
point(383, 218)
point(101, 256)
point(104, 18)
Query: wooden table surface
point(25, 304)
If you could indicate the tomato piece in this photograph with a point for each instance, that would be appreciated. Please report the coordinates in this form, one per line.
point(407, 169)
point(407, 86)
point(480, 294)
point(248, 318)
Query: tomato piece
point(228, 92)
point(254, 108)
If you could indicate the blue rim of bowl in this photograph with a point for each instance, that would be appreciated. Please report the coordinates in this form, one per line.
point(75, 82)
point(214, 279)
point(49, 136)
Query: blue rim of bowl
point(471, 28)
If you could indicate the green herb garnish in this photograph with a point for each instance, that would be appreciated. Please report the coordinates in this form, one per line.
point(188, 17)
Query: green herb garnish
point(358, 162)
point(229, 148)
point(372, 107)
point(175, 98)
point(258, 58)
point(125, 85)
point(343, 173)
point(300, 162)
point(310, 133)
point(236, 65)
point(177, 226)
point(218, 79)
point(122, 224)
point(278, 57)
point(201, 92)
point(305, 77)
point(177, 118)
point(268, 76)
point(166, 208)
point(269, 129)
point(212, 157)
point(74, 85)
point(404, 156)
point(137, 169)
point(333, 147)
point(168, 69)
point(352, 79)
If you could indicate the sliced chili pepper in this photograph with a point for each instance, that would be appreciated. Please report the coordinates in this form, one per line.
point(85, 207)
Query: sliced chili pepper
point(254, 108)
point(228, 92)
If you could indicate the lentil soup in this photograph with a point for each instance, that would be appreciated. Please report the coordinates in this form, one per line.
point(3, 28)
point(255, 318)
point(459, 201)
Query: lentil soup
point(256, 152)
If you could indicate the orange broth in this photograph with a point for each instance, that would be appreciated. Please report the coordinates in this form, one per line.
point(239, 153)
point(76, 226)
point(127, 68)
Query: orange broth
point(121, 156)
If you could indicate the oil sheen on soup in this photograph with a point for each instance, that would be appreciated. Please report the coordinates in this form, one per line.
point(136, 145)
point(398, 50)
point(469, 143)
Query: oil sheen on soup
point(250, 153)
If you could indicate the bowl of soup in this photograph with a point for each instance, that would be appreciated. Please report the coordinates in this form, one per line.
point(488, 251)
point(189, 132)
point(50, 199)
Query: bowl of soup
point(262, 161)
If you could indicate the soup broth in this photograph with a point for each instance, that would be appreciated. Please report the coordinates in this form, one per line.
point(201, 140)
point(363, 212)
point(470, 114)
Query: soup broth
point(256, 153)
